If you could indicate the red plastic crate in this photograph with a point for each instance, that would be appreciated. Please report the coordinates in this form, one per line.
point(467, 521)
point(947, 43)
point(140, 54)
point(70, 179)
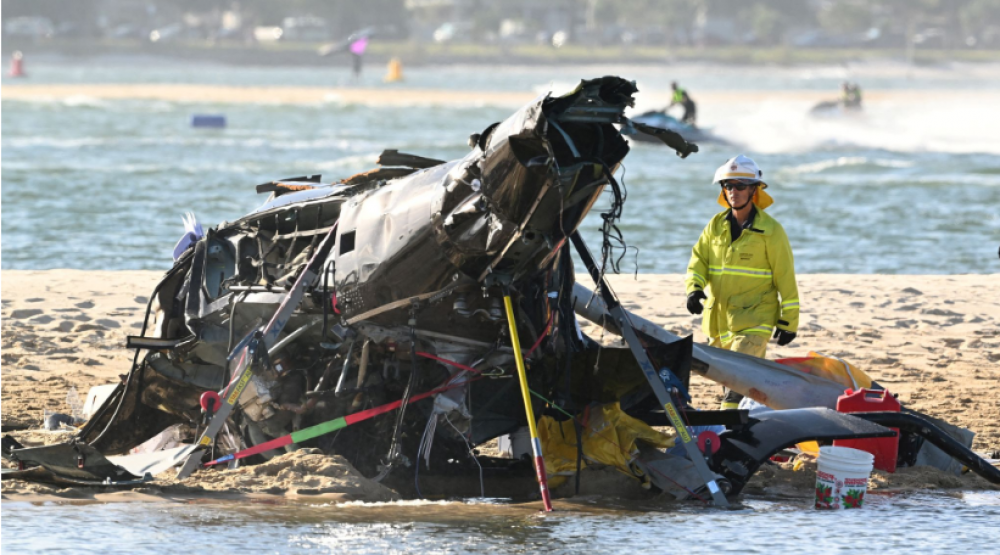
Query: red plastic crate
point(885, 449)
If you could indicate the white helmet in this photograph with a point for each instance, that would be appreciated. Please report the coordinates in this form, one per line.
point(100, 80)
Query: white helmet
point(744, 169)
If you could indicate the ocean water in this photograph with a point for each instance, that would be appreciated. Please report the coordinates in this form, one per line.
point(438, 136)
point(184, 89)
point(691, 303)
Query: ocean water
point(912, 186)
point(888, 525)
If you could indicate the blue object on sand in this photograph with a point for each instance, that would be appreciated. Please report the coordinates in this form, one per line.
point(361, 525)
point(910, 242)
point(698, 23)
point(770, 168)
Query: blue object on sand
point(208, 120)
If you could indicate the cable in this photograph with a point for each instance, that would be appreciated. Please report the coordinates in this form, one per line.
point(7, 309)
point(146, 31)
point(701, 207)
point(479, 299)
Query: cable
point(612, 237)
point(135, 359)
point(420, 449)
point(482, 487)
point(406, 395)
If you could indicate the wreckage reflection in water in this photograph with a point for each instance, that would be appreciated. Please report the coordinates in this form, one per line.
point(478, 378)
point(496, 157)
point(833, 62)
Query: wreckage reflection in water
point(919, 523)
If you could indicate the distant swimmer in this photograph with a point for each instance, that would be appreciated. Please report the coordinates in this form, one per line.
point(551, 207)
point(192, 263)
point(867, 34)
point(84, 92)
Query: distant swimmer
point(357, 49)
point(681, 97)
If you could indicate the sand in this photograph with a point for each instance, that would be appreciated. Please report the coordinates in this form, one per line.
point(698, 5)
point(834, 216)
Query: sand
point(393, 95)
point(934, 340)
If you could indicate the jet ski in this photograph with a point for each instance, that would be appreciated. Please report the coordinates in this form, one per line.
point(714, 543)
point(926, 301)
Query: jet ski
point(663, 120)
point(834, 108)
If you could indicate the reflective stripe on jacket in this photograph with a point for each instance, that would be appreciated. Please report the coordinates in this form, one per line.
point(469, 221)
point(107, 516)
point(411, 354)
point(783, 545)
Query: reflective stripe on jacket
point(744, 278)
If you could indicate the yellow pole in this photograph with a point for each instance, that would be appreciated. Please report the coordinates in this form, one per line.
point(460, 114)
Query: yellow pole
point(522, 374)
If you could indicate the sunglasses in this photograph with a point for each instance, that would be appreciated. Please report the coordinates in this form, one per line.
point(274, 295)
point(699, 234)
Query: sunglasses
point(739, 185)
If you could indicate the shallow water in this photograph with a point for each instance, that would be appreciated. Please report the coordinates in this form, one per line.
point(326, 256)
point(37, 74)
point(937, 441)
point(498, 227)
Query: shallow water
point(906, 188)
point(905, 524)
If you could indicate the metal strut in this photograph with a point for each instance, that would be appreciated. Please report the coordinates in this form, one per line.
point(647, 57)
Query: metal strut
point(628, 333)
point(257, 344)
point(536, 445)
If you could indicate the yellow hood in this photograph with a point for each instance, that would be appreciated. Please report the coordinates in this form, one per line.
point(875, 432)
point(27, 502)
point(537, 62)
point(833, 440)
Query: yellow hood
point(760, 199)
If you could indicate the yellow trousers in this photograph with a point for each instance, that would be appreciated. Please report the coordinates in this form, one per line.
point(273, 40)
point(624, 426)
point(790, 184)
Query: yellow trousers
point(748, 344)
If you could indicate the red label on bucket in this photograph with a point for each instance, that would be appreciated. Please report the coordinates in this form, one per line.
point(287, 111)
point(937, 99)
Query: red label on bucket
point(841, 478)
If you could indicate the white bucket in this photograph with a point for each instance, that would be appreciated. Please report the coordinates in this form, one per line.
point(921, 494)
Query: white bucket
point(842, 477)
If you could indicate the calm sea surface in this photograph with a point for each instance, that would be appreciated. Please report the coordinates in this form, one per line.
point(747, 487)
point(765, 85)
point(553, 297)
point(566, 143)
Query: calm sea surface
point(888, 525)
point(912, 186)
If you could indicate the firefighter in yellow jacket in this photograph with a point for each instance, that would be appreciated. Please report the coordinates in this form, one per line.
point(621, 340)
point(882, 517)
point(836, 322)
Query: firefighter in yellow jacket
point(744, 262)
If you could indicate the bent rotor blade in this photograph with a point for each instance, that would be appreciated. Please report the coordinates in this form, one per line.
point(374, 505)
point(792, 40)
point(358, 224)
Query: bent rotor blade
point(628, 333)
point(670, 138)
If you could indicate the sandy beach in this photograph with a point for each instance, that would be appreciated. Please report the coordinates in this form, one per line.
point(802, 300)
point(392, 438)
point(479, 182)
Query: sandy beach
point(934, 340)
point(397, 96)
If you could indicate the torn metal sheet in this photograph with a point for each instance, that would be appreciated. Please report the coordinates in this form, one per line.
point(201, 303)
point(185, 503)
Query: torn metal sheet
point(157, 462)
point(68, 464)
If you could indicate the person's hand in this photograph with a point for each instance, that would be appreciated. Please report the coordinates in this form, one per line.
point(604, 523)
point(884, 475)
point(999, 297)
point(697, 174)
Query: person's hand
point(784, 337)
point(694, 301)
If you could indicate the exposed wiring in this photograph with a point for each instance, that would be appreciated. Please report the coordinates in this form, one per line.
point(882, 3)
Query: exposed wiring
point(611, 236)
point(482, 487)
point(431, 425)
point(394, 445)
point(135, 358)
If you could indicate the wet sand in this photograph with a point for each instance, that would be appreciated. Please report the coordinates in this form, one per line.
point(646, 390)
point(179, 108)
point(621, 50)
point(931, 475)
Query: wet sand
point(934, 340)
point(391, 95)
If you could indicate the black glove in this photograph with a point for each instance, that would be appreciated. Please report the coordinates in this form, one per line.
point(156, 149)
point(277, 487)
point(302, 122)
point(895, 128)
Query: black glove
point(694, 301)
point(784, 337)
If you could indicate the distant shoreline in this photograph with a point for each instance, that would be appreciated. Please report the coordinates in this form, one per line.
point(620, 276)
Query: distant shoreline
point(394, 95)
point(418, 54)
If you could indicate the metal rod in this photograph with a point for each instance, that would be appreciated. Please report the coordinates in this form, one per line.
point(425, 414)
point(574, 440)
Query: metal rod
point(292, 336)
point(339, 390)
point(363, 367)
point(628, 333)
point(255, 288)
point(536, 445)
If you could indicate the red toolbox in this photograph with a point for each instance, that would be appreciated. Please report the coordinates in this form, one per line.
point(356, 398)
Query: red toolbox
point(885, 449)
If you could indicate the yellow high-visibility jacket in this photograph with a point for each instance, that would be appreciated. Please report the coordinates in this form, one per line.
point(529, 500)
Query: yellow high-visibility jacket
point(744, 278)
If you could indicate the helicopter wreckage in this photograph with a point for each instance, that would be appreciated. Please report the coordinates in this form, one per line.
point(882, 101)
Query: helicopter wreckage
point(402, 316)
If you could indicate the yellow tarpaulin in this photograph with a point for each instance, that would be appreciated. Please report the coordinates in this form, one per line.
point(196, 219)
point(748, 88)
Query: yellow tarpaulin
point(832, 368)
point(609, 437)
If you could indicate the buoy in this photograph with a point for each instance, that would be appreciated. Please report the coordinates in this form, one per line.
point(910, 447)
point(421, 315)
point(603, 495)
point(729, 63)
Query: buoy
point(16, 65)
point(208, 120)
point(394, 72)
